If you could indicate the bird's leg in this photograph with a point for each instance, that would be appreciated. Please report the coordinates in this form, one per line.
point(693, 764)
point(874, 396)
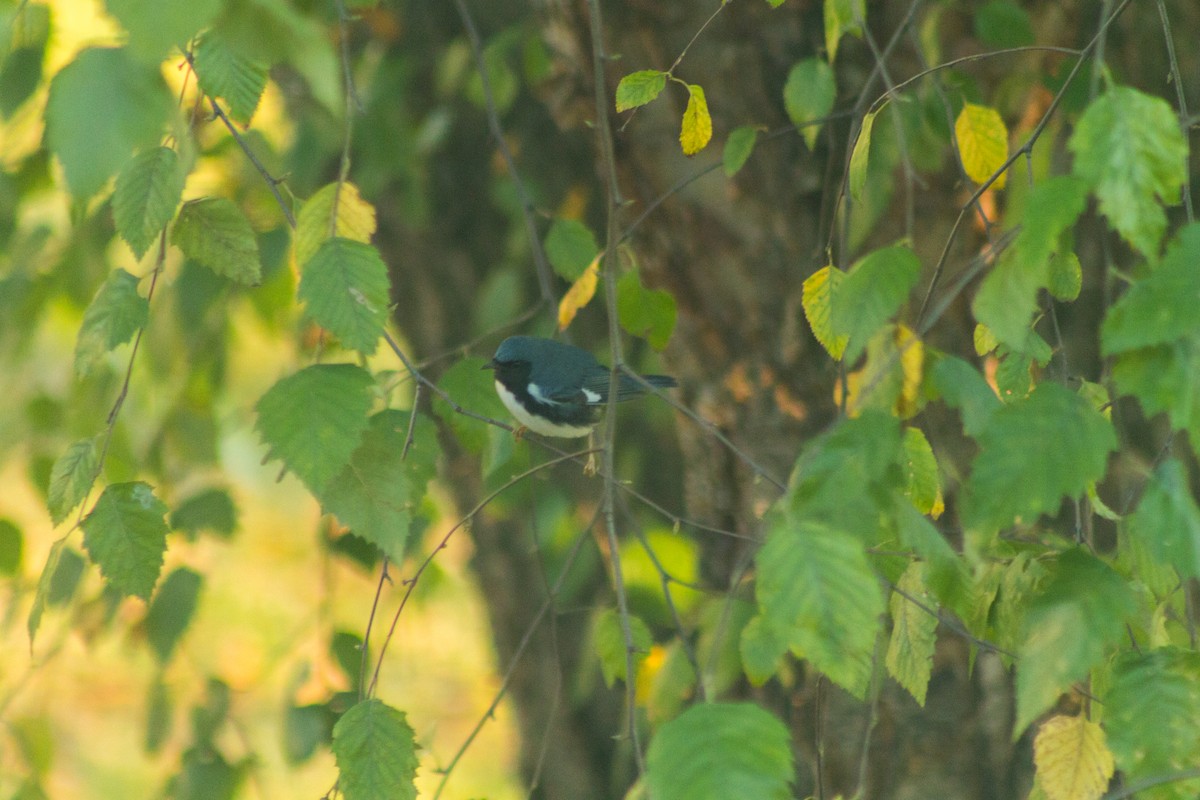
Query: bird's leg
point(590, 468)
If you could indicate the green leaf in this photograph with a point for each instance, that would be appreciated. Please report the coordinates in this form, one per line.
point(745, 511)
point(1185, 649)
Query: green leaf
point(914, 634)
point(379, 492)
point(155, 27)
point(1032, 453)
point(610, 644)
point(946, 575)
point(345, 289)
point(1001, 24)
point(148, 190)
point(215, 232)
point(304, 729)
point(159, 713)
point(738, 148)
point(315, 223)
point(114, 316)
point(842, 17)
point(571, 247)
point(923, 487)
point(102, 107)
point(871, 293)
point(817, 300)
point(314, 420)
point(71, 478)
point(1128, 146)
point(860, 156)
point(126, 536)
point(1152, 716)
point(648, 313)
point(696, 128)
point(12, 548)
point(1071, 625)
point(1162, 306)
point(208, 509)
point(20, 77)
point(638, 88)
point(808, 94)
point(376, 753)
point(1163, 379)
point(1066, 276)
point(846, 477)
point(1167, 520)
point(816, 588)
point(171, 611)
point(1013, 376)
point(716, 751)
point(1007, 299)
point(761, 647)
point(223, 72)
point(42, 594)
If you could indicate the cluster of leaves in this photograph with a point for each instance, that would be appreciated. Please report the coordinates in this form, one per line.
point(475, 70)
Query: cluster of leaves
point(851, 555)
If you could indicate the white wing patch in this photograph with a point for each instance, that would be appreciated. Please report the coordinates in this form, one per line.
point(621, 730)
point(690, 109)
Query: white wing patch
point(537, 424)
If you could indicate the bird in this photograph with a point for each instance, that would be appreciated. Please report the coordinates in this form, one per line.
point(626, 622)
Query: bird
point(557, 389)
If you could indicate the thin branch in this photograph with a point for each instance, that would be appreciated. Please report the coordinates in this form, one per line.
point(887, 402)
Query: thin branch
point(1180, 98)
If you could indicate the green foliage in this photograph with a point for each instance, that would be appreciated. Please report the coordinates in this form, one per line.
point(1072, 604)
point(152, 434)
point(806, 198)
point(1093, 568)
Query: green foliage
point(345, 290)
point(115, 315)
point(1072, 623)
point(71, 478)
point(871, 293)
point(609, 638)
point(819, 596)
point(12, 548)
point(720, 750)
point(102, 107)
point(649, 313)
point(213, 231)
point(171, 611)
point(148, 190)
point(808, 94)
point(1167, 520)
point(860, 156)
point(910, 649)
point(126, 536)
point(207, 510)
point(155, 27)
point(314, 420)
point(376, 753)
point(1161, 307)
point(1129, 148)
point(1003, 24)
point(639, 88)
point(842, 17)
point(1033, 452)
point(1152, 716)
point(571, 247)
point(225, 73)
point(738, 148)
point(924, 486)
point(378, 493)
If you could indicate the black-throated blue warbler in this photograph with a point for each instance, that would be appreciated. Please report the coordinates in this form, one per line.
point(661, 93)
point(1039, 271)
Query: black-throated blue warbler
point(557, 389)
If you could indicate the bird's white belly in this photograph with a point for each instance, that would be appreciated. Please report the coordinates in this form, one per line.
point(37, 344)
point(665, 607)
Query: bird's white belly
point(537, 424)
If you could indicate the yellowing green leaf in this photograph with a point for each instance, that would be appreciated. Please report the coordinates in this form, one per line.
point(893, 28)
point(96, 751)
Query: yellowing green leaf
point(1072, 759)
point(579, 295)
point(315, 222)
point(923, 486)
point(985, 340)
point(841, 17)
point(638, 88)
point(697, 123)
point(817, 300)
point(982, 142)
point(914, 633)
point(861, 155)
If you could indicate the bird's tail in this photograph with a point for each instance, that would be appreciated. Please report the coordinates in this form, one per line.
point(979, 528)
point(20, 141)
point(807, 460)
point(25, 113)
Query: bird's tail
point(630, 387)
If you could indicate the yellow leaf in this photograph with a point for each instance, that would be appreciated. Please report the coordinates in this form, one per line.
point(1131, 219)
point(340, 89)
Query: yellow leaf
point(817, 300)
point(1072, 759)
point(860, 157)
point(580, 293)
point(982, 142)
point(912, 367)
point(697, 124)
point(315, 223)
point(985, 340)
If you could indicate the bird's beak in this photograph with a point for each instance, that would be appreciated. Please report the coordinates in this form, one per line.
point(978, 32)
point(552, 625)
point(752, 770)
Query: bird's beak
point(490, 365)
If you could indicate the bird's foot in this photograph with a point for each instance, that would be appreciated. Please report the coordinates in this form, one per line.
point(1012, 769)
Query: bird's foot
point(520, 432)
point(591, 467)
